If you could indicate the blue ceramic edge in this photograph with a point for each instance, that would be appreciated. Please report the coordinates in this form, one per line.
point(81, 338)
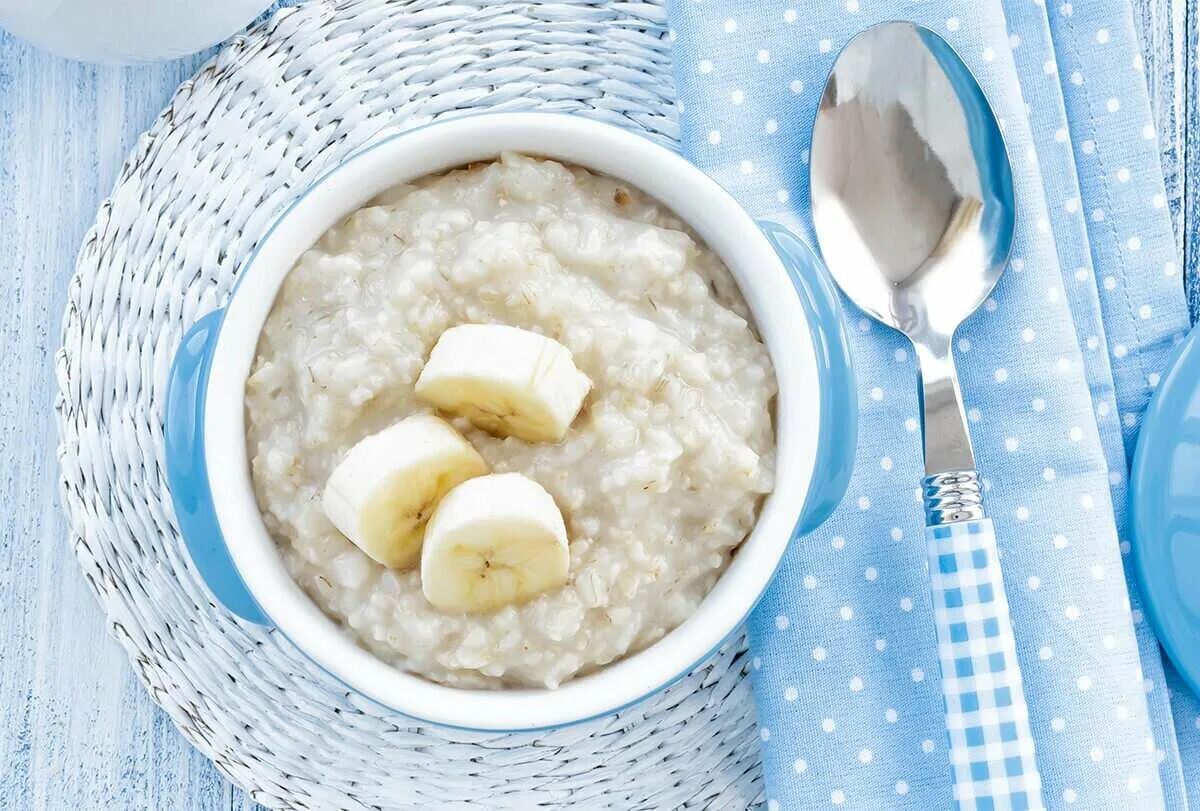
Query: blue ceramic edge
point(838, 434)
point(187, 470)
point(1151, 494)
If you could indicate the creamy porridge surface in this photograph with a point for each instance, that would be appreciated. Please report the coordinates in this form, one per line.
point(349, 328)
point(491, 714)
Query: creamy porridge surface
point(659, 478)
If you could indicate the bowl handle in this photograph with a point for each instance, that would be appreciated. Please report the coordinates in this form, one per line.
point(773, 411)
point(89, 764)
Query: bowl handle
point(187, 471)
point(838, 435)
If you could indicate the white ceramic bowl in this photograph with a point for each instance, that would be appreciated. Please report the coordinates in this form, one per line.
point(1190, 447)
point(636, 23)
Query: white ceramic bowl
point(205, 428)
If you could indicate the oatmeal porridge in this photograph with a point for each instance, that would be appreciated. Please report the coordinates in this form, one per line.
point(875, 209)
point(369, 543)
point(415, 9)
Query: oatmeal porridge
point(658, 477)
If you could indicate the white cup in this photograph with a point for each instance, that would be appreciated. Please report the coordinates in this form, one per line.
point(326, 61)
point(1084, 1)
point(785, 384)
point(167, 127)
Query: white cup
point(118, 31)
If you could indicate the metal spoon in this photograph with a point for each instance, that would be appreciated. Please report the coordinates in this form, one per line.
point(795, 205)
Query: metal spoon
point(913, 205)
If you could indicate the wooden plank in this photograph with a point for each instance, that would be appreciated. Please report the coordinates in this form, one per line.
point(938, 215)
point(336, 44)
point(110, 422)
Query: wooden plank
point(77, 730)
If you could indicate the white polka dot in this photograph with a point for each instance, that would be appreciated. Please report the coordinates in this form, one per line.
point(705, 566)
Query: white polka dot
point(810, 582)
point(1086, 501)
point(1115, 477)
point(852, 6)
point(918, 674)
point(864, 503)
point(1134, 785)
point(900, 356)
point(846, 613)
point(974, 415)
point(891, 716)
point(927, 746)
point(756, 663)
point(838, 542)
point(1097, 754)
point(1001, 375)
point(714, 137)
point(1058, 724)
point(1022, 513)
point(864, 325)
point(791, 694)
point(730, 25)
point(782, 622)
point(1102, 36)
point(906, 604)
point(1048, 67)
point(772, 805)
point(1034, 582)
point(1124, 547)
point(1081, 274)
point(800, 765)
point(1122, 712)
point(1152, 379)
point(1070, 795)
point(1109, 282)
point(1145, 311)
point(865, 756)
point(1170, 269)
point(886, 463)
point(1046, 653)
point(953, 24)
point(1088, 147)
point(1097, 572)
point(705, 66)
point(990, 305)
point(1011, 444)
point(989, 54)
point(1148, 132)
point(856, 685)
point(1061, 135)
point(901, 788)
point(1098, 215)
point(1071, 612)
point(897, 534)
point(1060, 542)
point(796, 86)
point(825, 46)
point(1014, 41)
point(876, 394)
point(837, 796)
point(1113, 105)
point(763, 57)
point(765, 734)
point(1134, 243)
point(1084, 683)
point(789, 16)
point(819, 654)
point(1076, 433)
point(746, 167)
point(1124, 175)
point(1159, 200)
point(880, 644)
point(1093, 343)
point(1048, 474)
point(782, 195)
point(828, 725)
point(737, 96)
point(1076, 78)
point(964, 345)
point(771, 125)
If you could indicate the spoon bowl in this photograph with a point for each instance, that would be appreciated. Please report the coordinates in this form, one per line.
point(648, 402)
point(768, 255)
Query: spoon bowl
point(912, 200)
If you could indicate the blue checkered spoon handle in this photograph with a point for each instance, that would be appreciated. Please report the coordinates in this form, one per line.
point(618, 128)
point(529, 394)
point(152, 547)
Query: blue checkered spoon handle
point(991, 745)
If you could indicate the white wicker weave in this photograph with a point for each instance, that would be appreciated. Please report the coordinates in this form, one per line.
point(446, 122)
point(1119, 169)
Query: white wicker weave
point(236, 144)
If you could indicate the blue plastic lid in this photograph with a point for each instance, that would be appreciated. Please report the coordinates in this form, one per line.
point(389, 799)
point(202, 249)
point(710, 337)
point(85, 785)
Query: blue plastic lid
point(1165, 512)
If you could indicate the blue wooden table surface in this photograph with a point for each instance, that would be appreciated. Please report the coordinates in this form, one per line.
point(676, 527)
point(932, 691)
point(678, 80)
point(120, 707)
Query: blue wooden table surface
point(77, 731)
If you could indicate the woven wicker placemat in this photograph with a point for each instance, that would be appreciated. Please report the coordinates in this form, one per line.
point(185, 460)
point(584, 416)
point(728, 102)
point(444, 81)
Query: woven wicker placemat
point(264, 118)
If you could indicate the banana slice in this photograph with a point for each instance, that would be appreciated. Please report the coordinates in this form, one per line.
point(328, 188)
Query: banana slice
point(495, 540)
point(382, 493)
point(505, 380)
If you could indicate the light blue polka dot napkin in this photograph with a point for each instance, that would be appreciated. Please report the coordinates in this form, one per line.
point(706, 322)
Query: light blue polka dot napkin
point(1056, 371)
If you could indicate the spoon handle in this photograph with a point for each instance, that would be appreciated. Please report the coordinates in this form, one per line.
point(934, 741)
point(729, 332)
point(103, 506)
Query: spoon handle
point(991, 745)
